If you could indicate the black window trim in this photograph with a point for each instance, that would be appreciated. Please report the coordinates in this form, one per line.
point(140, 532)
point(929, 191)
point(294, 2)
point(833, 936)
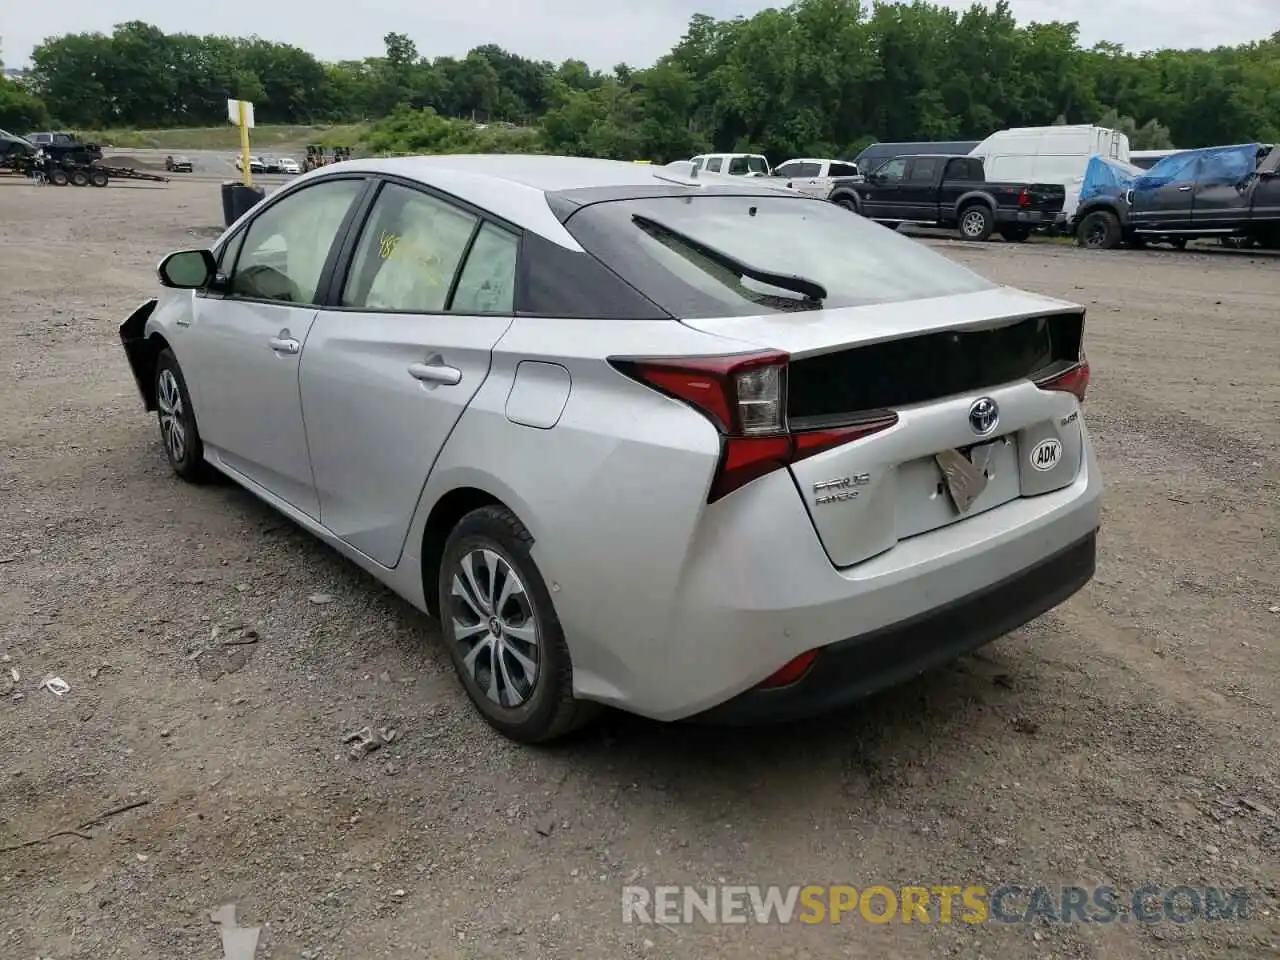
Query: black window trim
point(347, 250)
point(322, 285)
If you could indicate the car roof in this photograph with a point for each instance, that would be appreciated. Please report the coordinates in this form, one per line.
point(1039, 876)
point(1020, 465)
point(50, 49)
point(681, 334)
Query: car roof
point(538, 192)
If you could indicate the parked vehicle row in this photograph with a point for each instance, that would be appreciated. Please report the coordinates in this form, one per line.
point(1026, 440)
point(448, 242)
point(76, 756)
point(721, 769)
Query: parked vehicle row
point(806, 510)
point(265, 164)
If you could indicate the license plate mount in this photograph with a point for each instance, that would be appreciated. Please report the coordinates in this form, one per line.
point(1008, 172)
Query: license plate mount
point(964, 472)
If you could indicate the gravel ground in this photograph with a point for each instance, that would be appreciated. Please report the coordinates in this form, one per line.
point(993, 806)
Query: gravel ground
point(1129, 737)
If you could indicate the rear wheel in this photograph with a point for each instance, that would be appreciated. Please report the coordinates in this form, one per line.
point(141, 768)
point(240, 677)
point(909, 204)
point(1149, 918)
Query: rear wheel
point(1015, 234)
point(79, 178)
point(976, 222)
point(1100, 230)
point(502, 631)
point(178, 430)
point(58, 177)
point(98, 178)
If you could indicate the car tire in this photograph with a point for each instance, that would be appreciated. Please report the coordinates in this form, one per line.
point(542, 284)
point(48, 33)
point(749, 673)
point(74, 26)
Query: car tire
point(58, 177)
point(1099, 230)
point(976, 222)
point(847, 204)
point(179, 434)
point(484, 611)
point(98, 178)
point(79, 178)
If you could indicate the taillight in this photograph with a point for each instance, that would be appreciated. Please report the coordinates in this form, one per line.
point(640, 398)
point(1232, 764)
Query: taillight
point(1074, 380)
point(745, 396)
point(1024, 198)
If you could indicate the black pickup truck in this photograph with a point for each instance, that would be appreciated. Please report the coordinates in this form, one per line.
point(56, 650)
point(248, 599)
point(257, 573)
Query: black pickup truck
point(1232, 193)
point(952, 192)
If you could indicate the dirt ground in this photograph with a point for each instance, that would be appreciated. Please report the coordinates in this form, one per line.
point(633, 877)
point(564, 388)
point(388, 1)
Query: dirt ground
point(1127, 738)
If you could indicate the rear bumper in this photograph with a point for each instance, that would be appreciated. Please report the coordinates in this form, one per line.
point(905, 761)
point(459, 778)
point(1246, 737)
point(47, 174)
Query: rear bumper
point(1032, 218)
point(855, 668)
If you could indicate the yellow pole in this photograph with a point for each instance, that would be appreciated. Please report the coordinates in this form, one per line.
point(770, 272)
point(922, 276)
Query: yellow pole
point(244, 146)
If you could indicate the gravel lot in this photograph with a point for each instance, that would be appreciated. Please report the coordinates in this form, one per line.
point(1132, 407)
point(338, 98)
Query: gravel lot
point(1129, 737)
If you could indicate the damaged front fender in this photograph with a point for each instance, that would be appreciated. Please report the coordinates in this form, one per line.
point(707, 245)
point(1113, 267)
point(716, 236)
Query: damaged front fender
point(140, 353)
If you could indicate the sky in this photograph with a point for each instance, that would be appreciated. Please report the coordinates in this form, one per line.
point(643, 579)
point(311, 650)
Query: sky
point(602, 32)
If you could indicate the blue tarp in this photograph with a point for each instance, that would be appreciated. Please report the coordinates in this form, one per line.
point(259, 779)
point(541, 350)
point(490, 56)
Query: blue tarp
point(1231, 164)
point(1104, 177)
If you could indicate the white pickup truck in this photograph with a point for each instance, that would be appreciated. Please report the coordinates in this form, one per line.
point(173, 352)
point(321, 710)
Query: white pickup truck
point(814, 177)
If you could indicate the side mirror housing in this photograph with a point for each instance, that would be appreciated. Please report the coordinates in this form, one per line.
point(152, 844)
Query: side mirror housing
point(187, 269)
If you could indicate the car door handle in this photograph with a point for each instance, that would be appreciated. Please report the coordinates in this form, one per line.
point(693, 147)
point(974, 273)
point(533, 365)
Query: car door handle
point(284, 345)
point(435, 373)
point(1184, 189)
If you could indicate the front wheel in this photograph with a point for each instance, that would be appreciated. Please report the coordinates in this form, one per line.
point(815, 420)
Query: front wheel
point(976, 223)
point(847, 204)
point(58, 177)
point(1100, 230)
point(502, 631)
point(178, 430)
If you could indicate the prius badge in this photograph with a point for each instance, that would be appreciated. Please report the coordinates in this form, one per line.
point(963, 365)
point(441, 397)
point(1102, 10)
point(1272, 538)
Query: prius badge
point(984, 415)
point(839, 489)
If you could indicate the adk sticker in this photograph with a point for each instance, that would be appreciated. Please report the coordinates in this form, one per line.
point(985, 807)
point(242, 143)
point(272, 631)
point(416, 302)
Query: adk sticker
point(1046, 454)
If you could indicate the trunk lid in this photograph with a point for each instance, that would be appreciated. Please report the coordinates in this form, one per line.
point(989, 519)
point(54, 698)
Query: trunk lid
point(932, 362)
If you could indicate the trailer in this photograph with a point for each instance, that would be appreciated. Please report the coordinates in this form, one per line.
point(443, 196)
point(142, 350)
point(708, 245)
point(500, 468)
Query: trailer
point(61, 171)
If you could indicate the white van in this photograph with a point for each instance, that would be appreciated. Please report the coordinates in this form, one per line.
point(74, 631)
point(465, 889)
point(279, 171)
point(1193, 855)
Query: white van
point(1050, 155)
point(733, 164)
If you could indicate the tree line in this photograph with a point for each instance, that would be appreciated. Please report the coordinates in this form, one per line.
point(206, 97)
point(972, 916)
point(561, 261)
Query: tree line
point(818, 78)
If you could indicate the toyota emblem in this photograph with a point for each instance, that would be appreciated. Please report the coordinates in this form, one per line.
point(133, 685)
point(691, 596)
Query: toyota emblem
point(983, 416)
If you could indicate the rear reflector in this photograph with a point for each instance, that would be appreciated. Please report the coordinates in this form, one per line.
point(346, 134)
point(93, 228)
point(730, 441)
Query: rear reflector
point(791, 671)
point(1075, 380)
point(744, 396)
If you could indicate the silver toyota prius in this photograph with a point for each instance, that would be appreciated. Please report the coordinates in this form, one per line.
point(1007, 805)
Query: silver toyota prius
point(692, 449)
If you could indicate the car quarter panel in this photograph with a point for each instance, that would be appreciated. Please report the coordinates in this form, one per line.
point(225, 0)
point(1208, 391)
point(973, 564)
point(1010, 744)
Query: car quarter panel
point(612, 493)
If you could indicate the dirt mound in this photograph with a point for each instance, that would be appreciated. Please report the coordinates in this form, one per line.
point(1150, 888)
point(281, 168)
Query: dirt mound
point(125, 160)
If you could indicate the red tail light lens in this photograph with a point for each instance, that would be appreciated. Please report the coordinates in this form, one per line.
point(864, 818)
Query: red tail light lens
point(1024, 198)
point(791, 671)
point(744, 396)
point(1074, 380)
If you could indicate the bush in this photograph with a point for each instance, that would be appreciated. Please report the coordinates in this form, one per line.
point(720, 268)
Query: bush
point(20, 112)
point(424, 131)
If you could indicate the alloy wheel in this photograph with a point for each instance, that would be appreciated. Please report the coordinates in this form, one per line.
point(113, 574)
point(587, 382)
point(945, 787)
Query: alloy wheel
point(172, 427)
point(495, 627)
point(973, 223)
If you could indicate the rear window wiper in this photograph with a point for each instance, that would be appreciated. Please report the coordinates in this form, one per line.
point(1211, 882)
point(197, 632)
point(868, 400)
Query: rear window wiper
point(807, 288)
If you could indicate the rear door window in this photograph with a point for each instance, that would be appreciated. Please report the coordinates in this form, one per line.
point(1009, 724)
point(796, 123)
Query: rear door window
point(714, 164)
point(409, 253)
point(923, 170)
point(684, 254)
point(487, 283)
point(808, 170)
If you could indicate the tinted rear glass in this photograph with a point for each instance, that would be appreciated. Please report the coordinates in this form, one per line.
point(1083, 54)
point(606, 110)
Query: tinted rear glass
point(652, 243)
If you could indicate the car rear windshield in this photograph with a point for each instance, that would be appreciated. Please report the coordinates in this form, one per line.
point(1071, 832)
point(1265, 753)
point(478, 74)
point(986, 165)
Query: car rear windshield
point(720, 255)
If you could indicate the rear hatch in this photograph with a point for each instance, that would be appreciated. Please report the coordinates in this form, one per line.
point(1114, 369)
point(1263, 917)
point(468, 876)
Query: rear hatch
point(932, 363)
point(875, 329)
